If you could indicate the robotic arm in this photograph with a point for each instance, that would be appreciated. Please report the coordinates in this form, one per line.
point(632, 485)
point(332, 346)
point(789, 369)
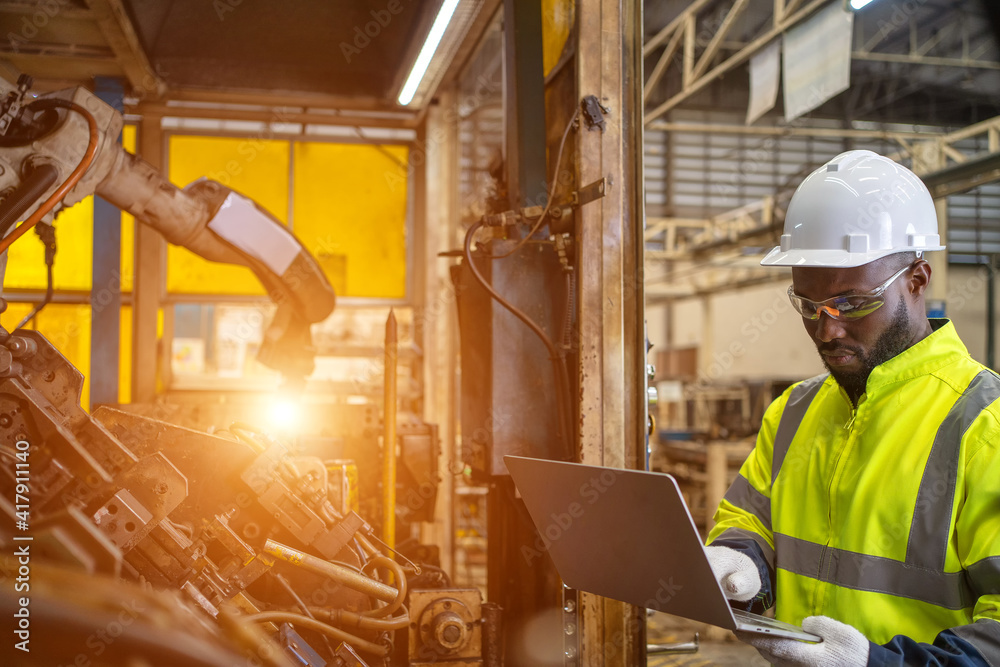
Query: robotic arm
point(63, 146)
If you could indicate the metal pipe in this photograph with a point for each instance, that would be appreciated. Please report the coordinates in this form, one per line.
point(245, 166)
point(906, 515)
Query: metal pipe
point(680, 647)
point(318, 626)
point(343, 575)
point(352, 619)
point(389, 438)
point(301, 604)
point(398, 575)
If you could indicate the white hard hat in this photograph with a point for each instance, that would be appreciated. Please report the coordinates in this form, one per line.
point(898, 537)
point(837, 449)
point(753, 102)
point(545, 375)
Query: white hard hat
point(856, 208)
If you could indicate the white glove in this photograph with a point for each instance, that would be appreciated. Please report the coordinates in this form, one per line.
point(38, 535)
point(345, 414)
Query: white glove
point(735, 572)
point(842, 645)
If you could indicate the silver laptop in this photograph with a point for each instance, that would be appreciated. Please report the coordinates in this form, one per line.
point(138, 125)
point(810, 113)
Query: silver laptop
point(628, 535)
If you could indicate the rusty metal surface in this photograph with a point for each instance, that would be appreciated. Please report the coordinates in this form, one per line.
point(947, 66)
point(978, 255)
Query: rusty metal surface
point(492, 635)
point(610, 290)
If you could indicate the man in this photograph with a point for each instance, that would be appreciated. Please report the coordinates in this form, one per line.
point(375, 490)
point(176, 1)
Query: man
point(869, 511)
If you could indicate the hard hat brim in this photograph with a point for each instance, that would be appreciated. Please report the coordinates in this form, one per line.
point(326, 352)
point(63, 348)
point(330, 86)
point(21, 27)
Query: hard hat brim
point(831, 258)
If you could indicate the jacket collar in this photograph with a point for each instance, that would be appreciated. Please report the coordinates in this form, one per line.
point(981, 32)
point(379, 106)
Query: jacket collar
point(940, 348)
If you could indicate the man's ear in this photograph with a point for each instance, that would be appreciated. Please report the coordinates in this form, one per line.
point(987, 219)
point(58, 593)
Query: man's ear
point(920, 278)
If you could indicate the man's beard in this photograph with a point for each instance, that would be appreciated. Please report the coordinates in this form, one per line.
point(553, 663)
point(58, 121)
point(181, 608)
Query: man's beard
point(893, 340)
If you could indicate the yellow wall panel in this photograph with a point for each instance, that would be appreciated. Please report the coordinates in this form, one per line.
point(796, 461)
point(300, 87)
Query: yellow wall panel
point(125, 357)
point(557, 21)
point(128, 223)
point(67, 327)
point(252, 166)
point(74, 253)
point(350, 212)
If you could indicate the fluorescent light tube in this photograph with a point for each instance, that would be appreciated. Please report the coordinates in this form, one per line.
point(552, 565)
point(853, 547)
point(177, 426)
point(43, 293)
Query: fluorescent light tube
point(858, 4)
point(427, 51)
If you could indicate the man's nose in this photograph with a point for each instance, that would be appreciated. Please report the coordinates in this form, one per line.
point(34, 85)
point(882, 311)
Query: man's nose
point(827, 328)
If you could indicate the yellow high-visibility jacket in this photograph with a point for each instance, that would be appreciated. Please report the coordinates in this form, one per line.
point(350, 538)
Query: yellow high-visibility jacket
point(885, 516)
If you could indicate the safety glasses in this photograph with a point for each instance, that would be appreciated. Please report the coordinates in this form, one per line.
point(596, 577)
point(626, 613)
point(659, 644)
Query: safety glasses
point(844, 308)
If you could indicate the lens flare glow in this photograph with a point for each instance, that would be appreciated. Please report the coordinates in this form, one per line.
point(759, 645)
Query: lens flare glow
point(284, 414)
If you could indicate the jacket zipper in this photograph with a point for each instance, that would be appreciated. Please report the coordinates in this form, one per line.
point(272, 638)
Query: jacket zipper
point(826, 547)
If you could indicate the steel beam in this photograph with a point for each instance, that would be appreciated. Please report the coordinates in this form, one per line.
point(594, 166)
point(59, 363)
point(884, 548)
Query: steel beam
point(525, 104)
point(661, 65)
point(964, 176)
point(273, 114)
point(310, 100)
point(150, 272)
point(786, 131)
point(609, 233)
point(917, 59)
point(720, 34)
point(435, 328)
point(106, 294)
point(694, 84)
point(664, 34)
point(114, 23)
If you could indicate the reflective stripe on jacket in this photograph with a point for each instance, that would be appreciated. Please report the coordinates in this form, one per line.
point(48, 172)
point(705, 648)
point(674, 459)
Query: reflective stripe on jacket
point(887, 516)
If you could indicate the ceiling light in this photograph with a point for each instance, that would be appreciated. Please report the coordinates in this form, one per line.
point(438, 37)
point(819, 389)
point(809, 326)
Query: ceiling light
point(427, 51)
point(858, 4)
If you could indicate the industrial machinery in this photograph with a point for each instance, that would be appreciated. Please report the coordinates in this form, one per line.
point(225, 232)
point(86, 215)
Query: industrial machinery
point(63, 147)
point(129, 540)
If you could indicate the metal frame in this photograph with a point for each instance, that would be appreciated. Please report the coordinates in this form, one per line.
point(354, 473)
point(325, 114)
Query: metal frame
point(112, 19)
point(304, 115)
point(105, 318)
point(524, 104)
point(677, 241)
point(730, 226)
point(610, 289)
point(696, 74)
point(150, 276)
point(406, 300)
point(918, 49)
point(434, 207)
point(174, 298)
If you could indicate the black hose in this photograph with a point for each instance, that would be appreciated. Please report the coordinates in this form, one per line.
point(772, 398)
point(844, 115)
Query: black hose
point(301, 604)
point(558, 362)
point(34, 185)
point(47, 233)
